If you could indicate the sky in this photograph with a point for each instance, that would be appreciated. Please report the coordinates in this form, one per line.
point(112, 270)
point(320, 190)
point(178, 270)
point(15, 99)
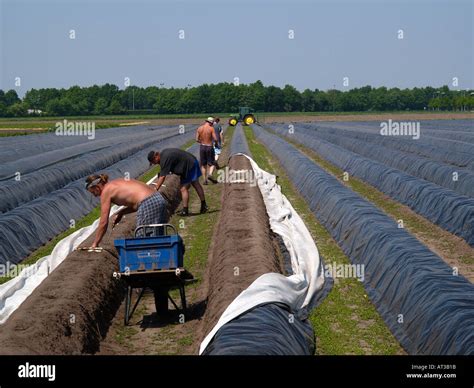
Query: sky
point(237, 41)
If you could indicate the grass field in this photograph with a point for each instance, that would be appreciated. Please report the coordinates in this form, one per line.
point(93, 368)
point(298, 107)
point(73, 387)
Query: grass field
point(219, 114)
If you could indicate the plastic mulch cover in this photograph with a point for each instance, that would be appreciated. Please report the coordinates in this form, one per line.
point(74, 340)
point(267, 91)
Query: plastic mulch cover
point(444, 207)
point(426, 306)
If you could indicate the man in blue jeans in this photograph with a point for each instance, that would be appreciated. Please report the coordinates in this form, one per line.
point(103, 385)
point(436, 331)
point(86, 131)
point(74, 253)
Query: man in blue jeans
point(186, 166)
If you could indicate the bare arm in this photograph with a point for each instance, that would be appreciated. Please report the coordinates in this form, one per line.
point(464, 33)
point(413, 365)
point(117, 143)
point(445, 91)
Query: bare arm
point(197, 135)
point(104, 218)
point(159, 182)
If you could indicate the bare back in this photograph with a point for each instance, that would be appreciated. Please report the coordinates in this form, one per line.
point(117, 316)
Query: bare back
point(206, 134)
point(127, 192)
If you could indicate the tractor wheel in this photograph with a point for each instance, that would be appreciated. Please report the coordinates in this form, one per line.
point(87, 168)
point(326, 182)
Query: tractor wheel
point(233, 122)
point(249, 119)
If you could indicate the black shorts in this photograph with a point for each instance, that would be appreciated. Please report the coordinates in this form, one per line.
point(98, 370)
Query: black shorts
point(206, 155)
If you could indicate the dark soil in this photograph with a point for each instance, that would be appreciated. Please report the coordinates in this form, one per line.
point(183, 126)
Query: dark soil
point(243, 247)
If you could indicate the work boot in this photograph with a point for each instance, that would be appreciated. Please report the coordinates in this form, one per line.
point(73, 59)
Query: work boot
point(184, 212)
point(212, 180)
point(204, 207)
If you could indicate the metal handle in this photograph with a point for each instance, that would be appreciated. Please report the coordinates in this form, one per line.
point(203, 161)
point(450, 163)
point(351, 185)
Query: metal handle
point(155, 226)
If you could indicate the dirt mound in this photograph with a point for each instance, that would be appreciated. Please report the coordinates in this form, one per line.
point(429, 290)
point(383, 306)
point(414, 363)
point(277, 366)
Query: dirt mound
point(243, 247)
point(70, 312)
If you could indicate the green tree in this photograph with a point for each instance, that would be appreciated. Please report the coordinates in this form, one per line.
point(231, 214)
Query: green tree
point(115, 107)
point(11, 97)
point(100, 106)
point(291, 98)
point(18, 109)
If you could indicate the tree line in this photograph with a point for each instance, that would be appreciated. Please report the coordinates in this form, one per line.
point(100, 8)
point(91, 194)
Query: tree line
point(108, 99)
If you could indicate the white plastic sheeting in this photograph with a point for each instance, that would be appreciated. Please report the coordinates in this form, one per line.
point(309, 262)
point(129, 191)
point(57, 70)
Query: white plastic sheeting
point(297, 291)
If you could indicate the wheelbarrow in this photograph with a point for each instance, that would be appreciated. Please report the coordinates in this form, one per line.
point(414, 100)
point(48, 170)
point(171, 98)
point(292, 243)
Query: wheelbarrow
point(153, 259)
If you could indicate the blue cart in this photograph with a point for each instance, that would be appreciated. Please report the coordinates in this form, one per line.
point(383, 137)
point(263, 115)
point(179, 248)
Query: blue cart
point(153, 259)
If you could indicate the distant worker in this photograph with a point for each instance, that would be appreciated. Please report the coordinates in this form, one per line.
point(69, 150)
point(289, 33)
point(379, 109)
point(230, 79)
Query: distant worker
point(184, 164)
point(206, 137)
point(220, 138)
point(219, 132)
point(136, 196)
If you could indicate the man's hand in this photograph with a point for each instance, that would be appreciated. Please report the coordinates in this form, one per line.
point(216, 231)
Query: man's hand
point(159, 182)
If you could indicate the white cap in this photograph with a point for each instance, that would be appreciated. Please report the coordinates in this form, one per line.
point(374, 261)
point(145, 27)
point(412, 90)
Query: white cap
point(210, 119)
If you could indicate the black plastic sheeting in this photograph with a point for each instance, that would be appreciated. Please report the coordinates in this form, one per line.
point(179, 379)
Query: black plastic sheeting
point(419, 166)
point(269, 329)
point(194, 149)
point(452, 135)
point(239, 143)
point(453, 152)
point(463, 125)
point(450, 152)
point(32, 224)
point(44, 173)
point(14, 147)
point(427, 308)
point(444, 207)
point(265, 330)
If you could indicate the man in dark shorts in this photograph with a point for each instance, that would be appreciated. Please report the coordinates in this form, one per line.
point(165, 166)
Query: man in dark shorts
point(206, 136)
point(186, 166)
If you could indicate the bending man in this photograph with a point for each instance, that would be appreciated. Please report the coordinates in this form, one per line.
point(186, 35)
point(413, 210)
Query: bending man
point(134, 195)
point(184, 164)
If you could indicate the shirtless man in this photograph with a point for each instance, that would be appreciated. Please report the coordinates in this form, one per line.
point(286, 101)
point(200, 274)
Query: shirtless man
point(206, 136)
point(134, 195)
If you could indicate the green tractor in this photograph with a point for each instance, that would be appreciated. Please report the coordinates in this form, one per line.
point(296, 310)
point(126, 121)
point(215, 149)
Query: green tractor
point(245, 115)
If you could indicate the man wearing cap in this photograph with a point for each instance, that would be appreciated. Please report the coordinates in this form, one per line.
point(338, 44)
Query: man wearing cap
point(206, 136)
point(186, 166)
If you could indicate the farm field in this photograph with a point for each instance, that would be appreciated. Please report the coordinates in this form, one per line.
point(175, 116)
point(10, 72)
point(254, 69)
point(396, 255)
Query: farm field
point(388, 205)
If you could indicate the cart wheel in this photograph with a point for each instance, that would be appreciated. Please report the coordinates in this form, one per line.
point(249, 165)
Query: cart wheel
point(161, 300)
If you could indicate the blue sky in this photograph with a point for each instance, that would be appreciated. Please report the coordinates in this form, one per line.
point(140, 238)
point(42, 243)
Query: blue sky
point(244, 39)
